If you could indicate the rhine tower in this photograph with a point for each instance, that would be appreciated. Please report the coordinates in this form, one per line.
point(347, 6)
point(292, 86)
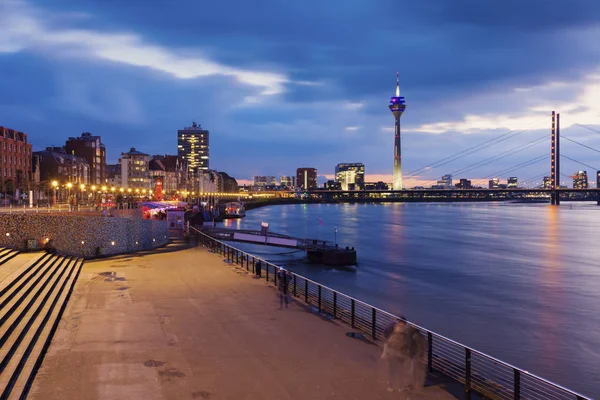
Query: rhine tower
point(397, 107)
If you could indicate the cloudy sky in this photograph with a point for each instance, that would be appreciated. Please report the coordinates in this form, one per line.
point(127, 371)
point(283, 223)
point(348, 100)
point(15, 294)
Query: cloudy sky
point(283, 84)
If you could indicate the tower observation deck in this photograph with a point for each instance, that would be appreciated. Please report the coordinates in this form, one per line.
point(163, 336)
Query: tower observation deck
point(397, 107)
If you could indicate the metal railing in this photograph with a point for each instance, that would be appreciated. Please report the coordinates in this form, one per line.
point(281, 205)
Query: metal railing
point(478, 372)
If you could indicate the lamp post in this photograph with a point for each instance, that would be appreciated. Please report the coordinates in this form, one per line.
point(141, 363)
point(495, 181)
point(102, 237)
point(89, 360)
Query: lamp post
point(335, 236)
point(54, 185)
point(82, 187)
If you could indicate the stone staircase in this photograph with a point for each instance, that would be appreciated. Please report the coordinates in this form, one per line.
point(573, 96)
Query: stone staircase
point(34, 291)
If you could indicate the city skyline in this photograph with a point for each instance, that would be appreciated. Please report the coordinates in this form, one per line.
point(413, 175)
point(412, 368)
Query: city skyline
point(286, 86)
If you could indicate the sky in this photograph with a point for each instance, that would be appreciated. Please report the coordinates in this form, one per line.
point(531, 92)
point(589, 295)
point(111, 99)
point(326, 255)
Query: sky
point(282, 85)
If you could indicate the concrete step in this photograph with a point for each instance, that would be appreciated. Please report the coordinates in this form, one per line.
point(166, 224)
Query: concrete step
point(21, 262)
point(21, 353)
point(18, 308)
point(8, 255)
point(25, 282)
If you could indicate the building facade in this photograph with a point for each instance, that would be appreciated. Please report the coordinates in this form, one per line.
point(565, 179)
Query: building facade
point(464, 184)
point(494, 183)
point(580, 180)
point(262, 181)
point(306, 178)
point(351, 176)
point(513, 182)
point(287, 181)
point(547, 182)
point(134, 170)
point(15, 160)
point(193, 148)
point(171, 172)
point(379, 185)
point(445, 182)
point(90, 148)
point(56, 165)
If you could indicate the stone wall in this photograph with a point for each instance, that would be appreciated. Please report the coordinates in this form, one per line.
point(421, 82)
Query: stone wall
point(80, 235)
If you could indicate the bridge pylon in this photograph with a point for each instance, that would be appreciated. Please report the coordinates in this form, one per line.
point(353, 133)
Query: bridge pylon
point(555, 160)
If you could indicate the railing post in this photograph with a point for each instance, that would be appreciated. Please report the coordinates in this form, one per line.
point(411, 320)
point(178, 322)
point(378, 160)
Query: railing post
point(237, 257)
point(253, 265)
point(517, 388)
point(275, 276)
point(320, 298)
point(305, 291)
point(267, 272)
point(352, 313)
point(468, 373)
point(374, 323)
point(430, 351)
point(295, 286)
point(247, 262)
point(334, 305)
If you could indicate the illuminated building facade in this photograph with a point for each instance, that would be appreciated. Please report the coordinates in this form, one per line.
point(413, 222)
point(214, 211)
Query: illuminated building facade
point(306, 178)
point(351, 176)
point(90, 148)
point(15, 158)
point(494, 183)
point(513, 182)
point(263, 181)
point(134, 170)
point(445, 182)
point(193, 148)
point(547, 182)
point(580, 180)
point(287, 181)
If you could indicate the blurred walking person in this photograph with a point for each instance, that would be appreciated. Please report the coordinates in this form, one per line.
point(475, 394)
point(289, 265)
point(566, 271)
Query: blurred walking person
point(395, 352)
point(282, 282)
point(416, 351)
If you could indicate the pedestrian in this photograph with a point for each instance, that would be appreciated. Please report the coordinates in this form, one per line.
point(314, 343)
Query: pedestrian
point(258, 269)
point(395, 352)
point(282, 282)
point(417, 350)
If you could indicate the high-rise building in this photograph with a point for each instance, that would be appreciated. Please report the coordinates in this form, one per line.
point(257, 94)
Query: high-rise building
point(445, 182)
point(547, 182)
point(306, 178)
point(513, 182)
point(494, 183)
point(397, 107)
point(134, 170)
point(351, 176)
point(287, 181)
point(580, 180)
point(193, 147)
point(263, 181)
point(90, 148)
point(15, 159)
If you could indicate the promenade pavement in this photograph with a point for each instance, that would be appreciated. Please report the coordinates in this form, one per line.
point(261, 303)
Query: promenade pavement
point(186, 325)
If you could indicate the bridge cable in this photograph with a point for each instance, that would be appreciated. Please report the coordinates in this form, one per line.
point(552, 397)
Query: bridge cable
point(536, 177)
point(587, 127)
point(579, 162)
point(516, 167)
point(468, 151)
point(500, 156)
point(581, 144)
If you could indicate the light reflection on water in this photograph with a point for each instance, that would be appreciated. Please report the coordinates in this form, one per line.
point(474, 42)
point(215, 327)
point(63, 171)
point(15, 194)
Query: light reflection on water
point(519, 282)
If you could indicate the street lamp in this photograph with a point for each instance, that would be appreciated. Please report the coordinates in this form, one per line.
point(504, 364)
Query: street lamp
point(335, 236)
point(54, 185)
point(69, 186)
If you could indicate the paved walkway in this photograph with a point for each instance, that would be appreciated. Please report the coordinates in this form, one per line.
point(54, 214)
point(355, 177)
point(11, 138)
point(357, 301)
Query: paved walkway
point(186, 325)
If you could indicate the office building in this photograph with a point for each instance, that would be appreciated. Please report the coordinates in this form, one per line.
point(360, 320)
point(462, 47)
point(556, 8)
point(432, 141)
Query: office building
point(306, 178)
point(379, 185)
point(332, 185)
point(263, 181)
point(580, 180)
point(351, 176)
point(134, 170)
point(547, 182)
point(494, 183)
point(464, 184)
point(445, 182)
point(287, 181)
point(56, 165)
point(15, 159)
point(193, 147)
point(513, 182)
point(90, 148)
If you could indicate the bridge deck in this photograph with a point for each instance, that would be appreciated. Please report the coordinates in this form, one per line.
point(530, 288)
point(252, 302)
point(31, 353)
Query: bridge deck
point(185, 325)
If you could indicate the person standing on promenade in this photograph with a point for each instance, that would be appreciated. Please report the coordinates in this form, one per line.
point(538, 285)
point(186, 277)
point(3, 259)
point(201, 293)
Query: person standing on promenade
point(416, 352)
point(282, 282)
point(395, 352)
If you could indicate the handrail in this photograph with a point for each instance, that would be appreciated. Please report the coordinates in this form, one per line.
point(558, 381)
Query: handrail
point(469, 352)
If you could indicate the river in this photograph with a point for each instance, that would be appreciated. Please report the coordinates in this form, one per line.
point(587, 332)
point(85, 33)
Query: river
point(518, 282)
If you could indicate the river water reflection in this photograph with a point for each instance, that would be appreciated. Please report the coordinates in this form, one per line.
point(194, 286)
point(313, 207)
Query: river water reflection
point(519, 282)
